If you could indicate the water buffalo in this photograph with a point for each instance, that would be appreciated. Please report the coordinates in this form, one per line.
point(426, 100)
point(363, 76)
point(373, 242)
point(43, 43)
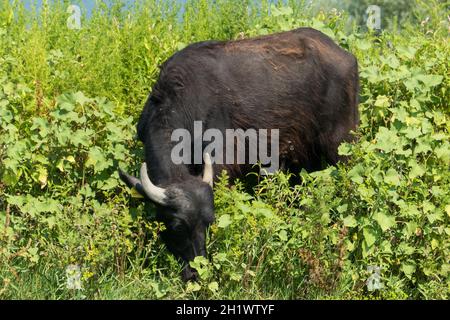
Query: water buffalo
point(298, 82)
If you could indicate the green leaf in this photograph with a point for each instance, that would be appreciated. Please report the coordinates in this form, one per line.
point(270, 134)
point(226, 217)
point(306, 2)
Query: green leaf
point(386, 247)
point(416, 170)
point(8, 88)
point(392, 61)
point(430, 80)
point(363, 44)
point(391, 177)
point(6, 116)
point(412, 132)
point(213, 286)
point(81, 137)
point(356, 173)
point(158, 290)
point(342, 208)
point(345, 149)
point(71, 159)
point(408, 268)
point(350, 221)
point(33, 254)
point(423, 145)
point(65, 102)
point(80, 98)
point(135, 194)
point(181, 46)
point(385, 222)
point(43, 175)
point(109, 184)
point(265, 212)
point(405, 249)
point(406, 52)
point(97, 159)
point(51, 221)
point(443, 152)
point(243, 207)
point(370, 236)
point(60, 165)
point(193, 287)
point(43, 126)
point(411, 228)
point(283, 235)
point(325, 218)
point(433, 217)
point(382, 101)
point(372, 73)
point(434, 244)
point(387, 140)
point(411, 84)
point(224, 221)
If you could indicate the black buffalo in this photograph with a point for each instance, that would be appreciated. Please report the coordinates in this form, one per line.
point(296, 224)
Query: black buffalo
point(299, 82)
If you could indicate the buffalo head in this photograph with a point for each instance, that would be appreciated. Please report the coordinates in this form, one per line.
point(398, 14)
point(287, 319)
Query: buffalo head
point(186, 208)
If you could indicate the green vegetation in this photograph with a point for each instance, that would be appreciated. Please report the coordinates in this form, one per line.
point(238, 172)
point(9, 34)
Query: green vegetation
point(69, 102)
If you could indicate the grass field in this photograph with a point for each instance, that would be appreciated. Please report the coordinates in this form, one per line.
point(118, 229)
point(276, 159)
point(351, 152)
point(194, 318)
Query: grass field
point(69, 103)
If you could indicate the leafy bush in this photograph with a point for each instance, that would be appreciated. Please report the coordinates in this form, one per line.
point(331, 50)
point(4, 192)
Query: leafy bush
point(68, 114)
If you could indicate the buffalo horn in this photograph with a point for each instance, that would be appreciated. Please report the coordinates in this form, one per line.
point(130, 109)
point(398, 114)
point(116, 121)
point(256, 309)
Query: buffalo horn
point(155, 193)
